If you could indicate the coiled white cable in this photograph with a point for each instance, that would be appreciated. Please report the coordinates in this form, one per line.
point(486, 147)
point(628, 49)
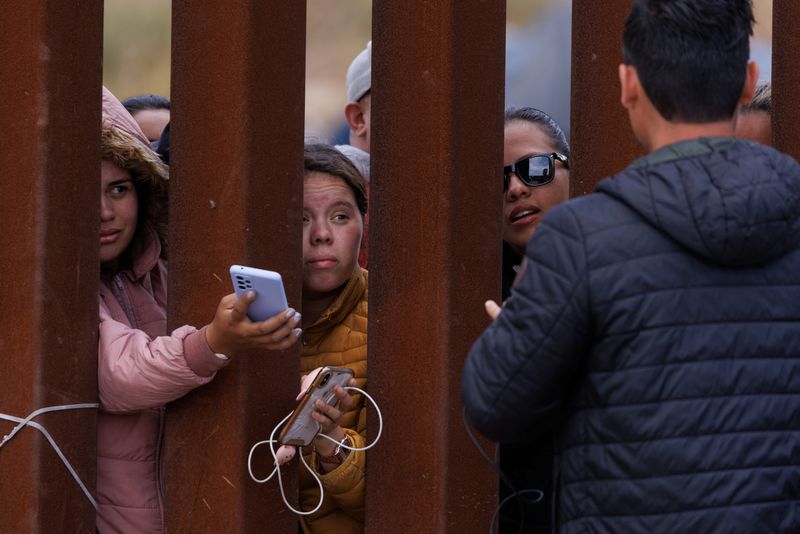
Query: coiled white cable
point(28, 421)
point(277, 469)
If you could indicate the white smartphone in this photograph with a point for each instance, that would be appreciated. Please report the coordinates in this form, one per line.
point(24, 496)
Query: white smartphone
point(301, 428)
point(268, 285)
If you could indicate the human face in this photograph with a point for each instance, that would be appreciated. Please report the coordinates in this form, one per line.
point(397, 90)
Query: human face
point(332, 229)
point(756, 126)
point(119, 207)
point(152, 122)
point(524, 206)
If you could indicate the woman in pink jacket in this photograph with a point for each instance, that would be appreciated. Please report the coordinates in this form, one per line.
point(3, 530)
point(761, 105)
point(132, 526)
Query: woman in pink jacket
point(140, 365)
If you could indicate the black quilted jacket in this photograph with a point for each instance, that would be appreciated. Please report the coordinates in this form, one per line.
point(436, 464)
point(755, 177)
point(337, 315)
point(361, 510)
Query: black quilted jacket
point(657, 327)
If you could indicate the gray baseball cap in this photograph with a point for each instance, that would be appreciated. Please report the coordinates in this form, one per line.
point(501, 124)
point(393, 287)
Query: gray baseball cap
point(359, 75)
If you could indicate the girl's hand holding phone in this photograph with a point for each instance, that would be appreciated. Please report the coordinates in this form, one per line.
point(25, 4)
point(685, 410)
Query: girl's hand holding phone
point(326, 415)
point(232, 331)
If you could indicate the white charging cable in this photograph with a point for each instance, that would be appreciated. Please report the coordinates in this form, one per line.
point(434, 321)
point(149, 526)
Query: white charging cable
point(28, 421)
point(277, 469)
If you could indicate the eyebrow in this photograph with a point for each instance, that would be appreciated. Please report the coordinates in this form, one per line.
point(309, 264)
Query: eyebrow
point(338, 204)
point(119, 182)
point(344, 203)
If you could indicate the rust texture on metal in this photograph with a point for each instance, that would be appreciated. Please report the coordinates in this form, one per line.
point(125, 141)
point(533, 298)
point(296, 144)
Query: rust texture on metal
point(437, 154)
point(49, 220)
point(786, 77)
point(235, 198)
point(601, 139)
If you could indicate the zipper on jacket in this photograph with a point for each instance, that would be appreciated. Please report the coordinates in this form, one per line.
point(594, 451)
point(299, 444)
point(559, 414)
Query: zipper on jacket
point(118, 288)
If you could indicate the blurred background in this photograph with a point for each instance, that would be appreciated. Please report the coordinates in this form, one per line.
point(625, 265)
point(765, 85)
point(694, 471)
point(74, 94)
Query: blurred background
point(137, 53)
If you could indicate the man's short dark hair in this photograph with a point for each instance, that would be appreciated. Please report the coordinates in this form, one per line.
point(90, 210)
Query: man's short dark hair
point(320, 157)
point(691, 55)
point(145, 102)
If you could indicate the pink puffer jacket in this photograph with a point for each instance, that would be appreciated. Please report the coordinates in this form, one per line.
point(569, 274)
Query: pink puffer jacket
point(140, 368)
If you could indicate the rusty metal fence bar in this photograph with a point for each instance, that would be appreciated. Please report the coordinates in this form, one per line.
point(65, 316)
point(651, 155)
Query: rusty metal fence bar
point(601, 140)
point(237, 133)
point(49, 221)
point(437, 98)
point(236, 197)
point(785, 76)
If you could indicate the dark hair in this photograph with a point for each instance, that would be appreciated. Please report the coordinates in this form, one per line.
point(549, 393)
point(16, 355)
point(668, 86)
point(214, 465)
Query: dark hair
point(320, 157)
point(142, 102)
point(762, 100)
point(544, 121)
point(162, 147)
point(691, 55)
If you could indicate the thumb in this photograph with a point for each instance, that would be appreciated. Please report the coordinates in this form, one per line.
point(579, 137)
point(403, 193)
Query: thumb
point(492, 309)
point(240, 307)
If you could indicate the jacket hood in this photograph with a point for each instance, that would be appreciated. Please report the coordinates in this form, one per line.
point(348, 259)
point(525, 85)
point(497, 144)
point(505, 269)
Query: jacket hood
point(732, 202)
point(123, 143)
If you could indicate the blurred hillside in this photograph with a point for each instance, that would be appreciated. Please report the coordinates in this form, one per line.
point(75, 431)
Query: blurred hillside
point(137, 51)
point(136, 46)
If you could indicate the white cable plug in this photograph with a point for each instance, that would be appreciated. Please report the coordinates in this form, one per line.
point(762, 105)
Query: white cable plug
point(277, 469)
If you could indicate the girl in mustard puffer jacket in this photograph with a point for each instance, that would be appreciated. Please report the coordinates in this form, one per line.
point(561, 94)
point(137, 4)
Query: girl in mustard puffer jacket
point(335, 334)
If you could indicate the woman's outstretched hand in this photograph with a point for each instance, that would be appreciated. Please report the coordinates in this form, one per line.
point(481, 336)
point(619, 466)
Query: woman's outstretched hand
point(232, 331)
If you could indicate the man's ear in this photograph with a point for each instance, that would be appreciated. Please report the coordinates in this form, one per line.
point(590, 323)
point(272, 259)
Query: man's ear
point(629, 86)
point(750, 82)
point(354, 116)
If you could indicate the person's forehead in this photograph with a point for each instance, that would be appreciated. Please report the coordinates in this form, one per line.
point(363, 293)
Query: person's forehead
point(328, 188)
point(111, 172)
point(152, 121)
point(522, 138)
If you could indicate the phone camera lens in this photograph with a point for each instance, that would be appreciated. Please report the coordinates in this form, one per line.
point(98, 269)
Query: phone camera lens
point(325, 379)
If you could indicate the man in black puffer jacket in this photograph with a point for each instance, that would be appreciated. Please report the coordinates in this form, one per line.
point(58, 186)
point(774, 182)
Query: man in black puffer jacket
point(656, 322)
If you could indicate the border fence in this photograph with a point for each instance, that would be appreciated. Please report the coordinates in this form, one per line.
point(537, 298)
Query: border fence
point(236, 197)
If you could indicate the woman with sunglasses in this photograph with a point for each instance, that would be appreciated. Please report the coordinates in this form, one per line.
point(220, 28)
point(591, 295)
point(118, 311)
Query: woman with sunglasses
point(535, 178)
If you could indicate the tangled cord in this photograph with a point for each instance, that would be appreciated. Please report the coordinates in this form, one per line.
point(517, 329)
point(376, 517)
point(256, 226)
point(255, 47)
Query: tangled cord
point(28, 421)
point(515, 493)
point(277, 469)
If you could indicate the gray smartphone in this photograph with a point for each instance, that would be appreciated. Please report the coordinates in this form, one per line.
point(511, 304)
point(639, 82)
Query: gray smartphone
point(268, 285)
point(301, 429)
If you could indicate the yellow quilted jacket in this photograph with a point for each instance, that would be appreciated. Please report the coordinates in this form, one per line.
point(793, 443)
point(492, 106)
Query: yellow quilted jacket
point(339, 338)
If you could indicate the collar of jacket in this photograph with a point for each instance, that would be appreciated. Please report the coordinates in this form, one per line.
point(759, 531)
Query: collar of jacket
point(684, 149)
point(344, 304)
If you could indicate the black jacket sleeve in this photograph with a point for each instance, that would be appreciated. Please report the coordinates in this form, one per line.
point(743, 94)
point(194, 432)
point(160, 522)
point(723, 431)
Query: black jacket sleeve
point(518, 370)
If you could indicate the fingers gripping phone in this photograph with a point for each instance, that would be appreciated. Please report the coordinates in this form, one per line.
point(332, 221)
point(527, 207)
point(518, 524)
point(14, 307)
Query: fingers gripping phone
point(301, 429)
point(268, 285)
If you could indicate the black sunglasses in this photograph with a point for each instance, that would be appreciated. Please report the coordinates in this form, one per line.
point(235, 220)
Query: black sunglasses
point(535, 170)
